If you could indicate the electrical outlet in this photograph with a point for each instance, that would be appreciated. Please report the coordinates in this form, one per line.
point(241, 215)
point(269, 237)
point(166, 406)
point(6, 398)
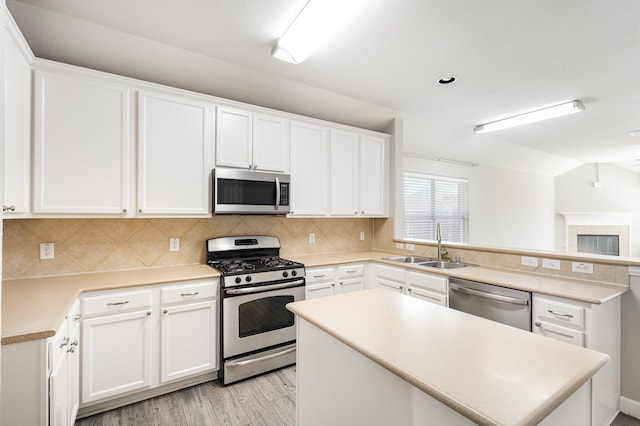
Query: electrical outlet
point(410, 246)
point(581, 267)
point(400, 246)
point(551, 264)
point(46, 251)
point(530, 261)
point(361, 235)
point(174, 244)
point(312, 238)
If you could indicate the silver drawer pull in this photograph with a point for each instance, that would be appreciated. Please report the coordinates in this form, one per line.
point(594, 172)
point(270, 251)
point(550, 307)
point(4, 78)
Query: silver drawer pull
point(560, 314)
point(77, 317)
point(64, 343)
point(318, 276)
point(195, 293)
point(117, 303)
point(353, 271)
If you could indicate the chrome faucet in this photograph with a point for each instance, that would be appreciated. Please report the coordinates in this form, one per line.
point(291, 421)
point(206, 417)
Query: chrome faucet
point(441, 251)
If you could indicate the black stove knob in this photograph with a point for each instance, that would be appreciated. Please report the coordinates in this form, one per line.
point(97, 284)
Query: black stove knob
point(248, 278)
point(238, 280)
point(294, 273)
point(285, 274)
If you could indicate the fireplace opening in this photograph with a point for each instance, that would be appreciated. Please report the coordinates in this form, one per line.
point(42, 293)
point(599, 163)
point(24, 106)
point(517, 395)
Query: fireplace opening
point(599, 244)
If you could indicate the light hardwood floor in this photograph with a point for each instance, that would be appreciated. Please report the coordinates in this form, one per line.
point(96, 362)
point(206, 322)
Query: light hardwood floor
point(264, 400)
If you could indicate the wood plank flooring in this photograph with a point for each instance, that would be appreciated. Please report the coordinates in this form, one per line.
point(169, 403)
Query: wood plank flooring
point(267, 400)
point(264, 400)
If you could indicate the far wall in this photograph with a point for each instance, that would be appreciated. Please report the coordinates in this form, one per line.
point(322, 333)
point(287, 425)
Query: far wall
point(507, 208)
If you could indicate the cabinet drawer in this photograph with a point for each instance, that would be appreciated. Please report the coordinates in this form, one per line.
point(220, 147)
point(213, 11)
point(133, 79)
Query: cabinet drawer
point(315, 275)
point(348, 271)
point(559, 333)
point(116, 302)
point(187, 292)
point(427, 281)
point(390, 273)
point(428, 296)
point(319, 290)
point(390, 285)
point(557, 312)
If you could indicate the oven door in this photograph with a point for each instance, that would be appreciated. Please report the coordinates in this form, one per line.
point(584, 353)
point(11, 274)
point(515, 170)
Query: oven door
point(255, 318)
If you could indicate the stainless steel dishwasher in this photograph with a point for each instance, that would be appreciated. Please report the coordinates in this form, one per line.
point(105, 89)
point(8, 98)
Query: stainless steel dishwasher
point(505, 305)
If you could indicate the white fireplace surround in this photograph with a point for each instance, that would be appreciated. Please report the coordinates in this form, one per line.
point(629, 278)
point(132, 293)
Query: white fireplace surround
point(598, 223)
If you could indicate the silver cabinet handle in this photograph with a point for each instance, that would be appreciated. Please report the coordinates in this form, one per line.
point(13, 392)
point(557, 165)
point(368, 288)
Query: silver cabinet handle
point(195, 293)
point(497, 297)
point(124, 210)
point(318, 276)
point(9, 208)
point(71, 349)
point(148, 313)
point(353, 271)
point(559, 314)
point(264, 358)
point(164, 311)
point(77, 317)
point(75, 343)
point(64, 343)
point(117, 303)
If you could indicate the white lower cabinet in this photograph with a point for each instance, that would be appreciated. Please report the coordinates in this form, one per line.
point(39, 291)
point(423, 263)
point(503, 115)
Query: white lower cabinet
point(428, 287)
point(330, 280)
point(593, 326)
point(351, 278)
point(389, 277)
point(139, 340)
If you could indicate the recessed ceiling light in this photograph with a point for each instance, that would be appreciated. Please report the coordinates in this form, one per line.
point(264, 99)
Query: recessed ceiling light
point(635, 133)
point(446, 79)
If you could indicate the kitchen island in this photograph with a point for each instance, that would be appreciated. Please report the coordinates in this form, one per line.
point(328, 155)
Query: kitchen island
point(376, 357)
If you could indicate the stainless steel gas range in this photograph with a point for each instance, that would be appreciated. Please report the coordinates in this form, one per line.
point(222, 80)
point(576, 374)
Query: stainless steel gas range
point(257, 331)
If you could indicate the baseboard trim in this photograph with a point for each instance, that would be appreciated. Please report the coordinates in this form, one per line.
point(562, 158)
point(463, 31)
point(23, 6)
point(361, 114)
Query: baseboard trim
point(630, 407)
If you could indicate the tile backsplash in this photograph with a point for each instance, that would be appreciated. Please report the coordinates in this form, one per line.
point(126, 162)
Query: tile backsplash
point(90, 245)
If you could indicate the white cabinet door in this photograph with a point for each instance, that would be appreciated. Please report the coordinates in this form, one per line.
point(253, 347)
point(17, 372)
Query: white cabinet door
point(270, 143)
point(17, 129)
point(233, 138)
point(116, 355)
point(373, 176)
point(59, 393)
point(73, 388)
point(344, 173)
point(309, 169)
point(81, 144)
point(175, 139)
point(188, 342)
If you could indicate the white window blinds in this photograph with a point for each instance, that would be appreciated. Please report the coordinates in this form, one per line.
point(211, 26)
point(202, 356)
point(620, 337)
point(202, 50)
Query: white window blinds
point(429, 200)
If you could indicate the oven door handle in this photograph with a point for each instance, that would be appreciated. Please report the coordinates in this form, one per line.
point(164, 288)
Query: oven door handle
point(249, 290)
point(263, 358)
point(492, 296)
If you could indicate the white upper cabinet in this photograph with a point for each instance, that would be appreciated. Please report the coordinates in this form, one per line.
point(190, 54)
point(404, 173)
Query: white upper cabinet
point(251, 141)
point(374, 176)
point(309, 169)
point(81, 144)
point(359, 174)
point(175, 141)
point(17, 125)
point(344, 173)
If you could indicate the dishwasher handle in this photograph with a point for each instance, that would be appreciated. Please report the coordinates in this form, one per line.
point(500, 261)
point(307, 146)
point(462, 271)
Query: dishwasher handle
point(486, 295)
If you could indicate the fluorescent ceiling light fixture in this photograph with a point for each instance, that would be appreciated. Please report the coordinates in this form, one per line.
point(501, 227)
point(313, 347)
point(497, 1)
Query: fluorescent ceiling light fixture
point(531, 117)
point(313, 26)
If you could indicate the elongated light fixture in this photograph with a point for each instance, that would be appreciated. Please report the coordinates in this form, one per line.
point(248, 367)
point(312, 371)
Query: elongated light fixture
point(531, 117)
point(314, 24)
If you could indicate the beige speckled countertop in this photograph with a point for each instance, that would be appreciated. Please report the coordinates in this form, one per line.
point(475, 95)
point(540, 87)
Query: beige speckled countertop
point(34, 308)
point(486, 371)
point(580, 290)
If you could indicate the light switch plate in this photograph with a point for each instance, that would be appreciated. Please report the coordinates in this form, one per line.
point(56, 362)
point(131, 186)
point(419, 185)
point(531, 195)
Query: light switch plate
point(551, 264)
point(400, 246)
point(410, 246)
point(530, 261)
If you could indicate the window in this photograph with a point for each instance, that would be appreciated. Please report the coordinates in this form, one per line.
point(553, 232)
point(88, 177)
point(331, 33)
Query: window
point(429, 200)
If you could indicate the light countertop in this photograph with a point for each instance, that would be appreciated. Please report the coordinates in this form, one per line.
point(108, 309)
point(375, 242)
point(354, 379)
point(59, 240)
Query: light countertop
point(486, 371)
point(34, 308)
point(570, 288)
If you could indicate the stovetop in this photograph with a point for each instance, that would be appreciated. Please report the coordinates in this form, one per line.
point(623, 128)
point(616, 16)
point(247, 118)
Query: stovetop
point(255, 265)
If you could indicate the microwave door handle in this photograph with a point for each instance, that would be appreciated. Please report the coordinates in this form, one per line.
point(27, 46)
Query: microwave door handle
point(277, 193)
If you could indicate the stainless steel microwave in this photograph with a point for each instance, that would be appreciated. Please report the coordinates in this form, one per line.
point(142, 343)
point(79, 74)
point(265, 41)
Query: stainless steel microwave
point(249, 192)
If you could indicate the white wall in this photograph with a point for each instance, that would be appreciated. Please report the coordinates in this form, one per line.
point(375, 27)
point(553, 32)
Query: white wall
point(620, 192)
point(506, 208)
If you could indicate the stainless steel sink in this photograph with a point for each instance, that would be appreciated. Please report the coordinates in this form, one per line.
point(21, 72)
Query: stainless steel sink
point(409, 259)
point(443, 264)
